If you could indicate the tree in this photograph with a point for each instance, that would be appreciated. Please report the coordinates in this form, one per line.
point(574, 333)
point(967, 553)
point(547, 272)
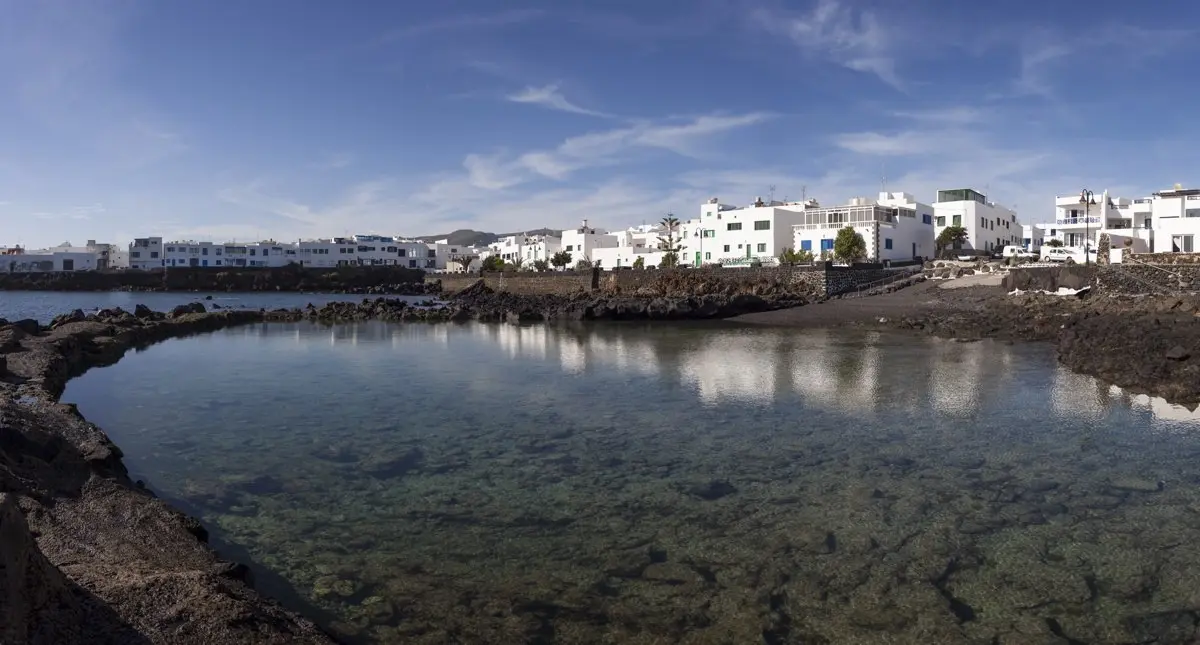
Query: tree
point(639, 263)
point(517, 262)
point(583, 264)
point(560, 259)
point(491, 263)
point(541, 265)
point(465, 261)
point(849, 246)
point(1054, 244)
point(792, 257)
point(668, 243)
point(951, 237)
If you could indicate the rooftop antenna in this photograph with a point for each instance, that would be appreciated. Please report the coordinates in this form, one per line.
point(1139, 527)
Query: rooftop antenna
point(771, 193)
point(804, 193)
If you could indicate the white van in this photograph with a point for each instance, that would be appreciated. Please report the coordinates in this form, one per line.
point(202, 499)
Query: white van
point(1017, 252)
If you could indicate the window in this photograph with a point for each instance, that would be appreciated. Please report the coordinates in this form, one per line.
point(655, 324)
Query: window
point(1192, 212)
point(401, 252)
point(1181, 243)
point(154, 255)
point(887, 243)
point(806, 245)
point(957, 220)
point(205, 262)
point(710, 233)
point(218, 263)
point(170, 249)
point(204, 251)
point(941, 220)
point(926, 219)
point(762, 248)
point(707, 255)
point(826, 245)
point(432, 253)
point(726, 248)
point(412, 264)
point(217, 251)
point(570, 247)
point(762, 225)
point(135, 254)
point(733, 226)
point(252, 251)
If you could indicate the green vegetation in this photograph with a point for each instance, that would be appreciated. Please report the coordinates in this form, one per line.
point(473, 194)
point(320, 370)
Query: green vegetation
point(491, 263)
point(561, 259)
point(541, 266)
point(583, 264)
point(951, 237)
point(849, 246)
point(669, 243)
point(792, 257)
point(1054, 244)
point(639, 263)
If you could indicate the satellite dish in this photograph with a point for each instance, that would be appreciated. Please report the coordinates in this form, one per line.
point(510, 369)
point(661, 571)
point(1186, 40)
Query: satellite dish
point(1178, 186)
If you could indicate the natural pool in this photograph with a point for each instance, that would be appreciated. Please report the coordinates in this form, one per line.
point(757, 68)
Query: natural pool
point(672, 484)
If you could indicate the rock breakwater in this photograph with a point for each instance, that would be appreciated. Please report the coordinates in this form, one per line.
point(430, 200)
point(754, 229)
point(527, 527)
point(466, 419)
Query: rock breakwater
point(365, 280)
point(86, 555)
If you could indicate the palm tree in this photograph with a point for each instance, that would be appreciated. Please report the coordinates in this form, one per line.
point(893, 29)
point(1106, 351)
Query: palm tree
point(951, 237)
point(517, 262)
point(465, 261)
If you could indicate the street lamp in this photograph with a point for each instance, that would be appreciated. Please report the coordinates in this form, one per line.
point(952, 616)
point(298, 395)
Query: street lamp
point(1086, 198)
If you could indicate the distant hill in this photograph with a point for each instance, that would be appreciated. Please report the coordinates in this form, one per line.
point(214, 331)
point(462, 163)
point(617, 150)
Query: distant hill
point(468, 237)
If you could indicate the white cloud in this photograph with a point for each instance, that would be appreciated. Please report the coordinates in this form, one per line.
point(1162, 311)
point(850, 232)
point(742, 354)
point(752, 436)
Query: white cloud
point(855, 39)
point(549, 97)
point(337, 161)
point(957, 115)
point(463, 22)
point(905, 143)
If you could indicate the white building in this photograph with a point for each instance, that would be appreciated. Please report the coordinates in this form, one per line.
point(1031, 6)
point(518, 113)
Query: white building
point(1033, 236)
point(1166, 222)
point(580, 242)
point(540, 247)
point(734, 236)
point(1175, 220)
point(895, 227)
point(146, 253)
point(989, 226)
point(636, 243)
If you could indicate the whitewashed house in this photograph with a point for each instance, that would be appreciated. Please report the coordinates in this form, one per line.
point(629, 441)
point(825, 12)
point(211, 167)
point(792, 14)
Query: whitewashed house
point(895, 227)
point(989, 226)
point(581, 241)
point(146, 253)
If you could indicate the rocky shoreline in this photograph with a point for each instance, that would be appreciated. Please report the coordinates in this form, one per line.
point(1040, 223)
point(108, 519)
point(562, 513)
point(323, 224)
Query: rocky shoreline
point(90, 556)
point(390, 280)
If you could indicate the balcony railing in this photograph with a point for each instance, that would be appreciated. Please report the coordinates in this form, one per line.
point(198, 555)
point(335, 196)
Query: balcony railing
point(1068, 221)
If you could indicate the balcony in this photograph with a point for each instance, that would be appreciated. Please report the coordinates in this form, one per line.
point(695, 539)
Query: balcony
point(1077, 221)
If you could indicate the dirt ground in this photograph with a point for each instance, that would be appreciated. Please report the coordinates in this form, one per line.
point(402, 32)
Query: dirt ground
point(905, 302)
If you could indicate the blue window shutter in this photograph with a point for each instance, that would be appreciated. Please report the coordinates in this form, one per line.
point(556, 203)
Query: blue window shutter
point(805, 245)
point(887, 243)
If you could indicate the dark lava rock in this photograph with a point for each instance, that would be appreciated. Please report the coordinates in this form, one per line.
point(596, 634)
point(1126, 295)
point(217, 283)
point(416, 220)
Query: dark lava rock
point(183, 310)
point(388, 466)
point(62, 319)
point(28, 325)
point(143, 312)
point(713, 490)
point(1177, 353)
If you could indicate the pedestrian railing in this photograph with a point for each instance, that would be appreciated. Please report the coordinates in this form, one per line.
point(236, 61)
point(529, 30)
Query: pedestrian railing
point(866, 288)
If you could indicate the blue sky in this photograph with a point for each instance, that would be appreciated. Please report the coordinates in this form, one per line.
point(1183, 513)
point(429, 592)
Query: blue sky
point(243, 120)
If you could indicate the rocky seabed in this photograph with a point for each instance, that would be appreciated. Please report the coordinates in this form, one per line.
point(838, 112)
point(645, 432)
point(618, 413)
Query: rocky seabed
point(89, 556)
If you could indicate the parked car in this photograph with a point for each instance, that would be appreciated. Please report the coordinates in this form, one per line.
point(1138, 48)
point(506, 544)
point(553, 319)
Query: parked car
point(1017, 252)
point(1067, 254)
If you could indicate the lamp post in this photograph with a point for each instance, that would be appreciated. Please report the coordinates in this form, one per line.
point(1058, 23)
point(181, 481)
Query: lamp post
point(1086, 198)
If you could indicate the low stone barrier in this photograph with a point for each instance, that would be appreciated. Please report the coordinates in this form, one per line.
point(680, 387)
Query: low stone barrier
point(821, 279)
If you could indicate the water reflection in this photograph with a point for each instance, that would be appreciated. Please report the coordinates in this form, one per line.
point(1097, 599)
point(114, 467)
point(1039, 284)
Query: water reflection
point(671, 484)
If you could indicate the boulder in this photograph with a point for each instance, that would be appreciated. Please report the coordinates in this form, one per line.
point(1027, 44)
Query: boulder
point(28, 325)
point(63, 319)
point(143, 312)
point(1178, 353)
point(183, 310)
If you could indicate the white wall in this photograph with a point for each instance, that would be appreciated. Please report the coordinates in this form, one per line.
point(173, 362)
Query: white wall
point(989, 226)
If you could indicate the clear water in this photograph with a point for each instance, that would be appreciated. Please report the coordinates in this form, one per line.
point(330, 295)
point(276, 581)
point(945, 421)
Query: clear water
point(502, 484)
point(45, 305)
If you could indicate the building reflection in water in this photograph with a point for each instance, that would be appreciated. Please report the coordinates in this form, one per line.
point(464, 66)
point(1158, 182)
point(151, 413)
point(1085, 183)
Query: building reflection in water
point(850, 372)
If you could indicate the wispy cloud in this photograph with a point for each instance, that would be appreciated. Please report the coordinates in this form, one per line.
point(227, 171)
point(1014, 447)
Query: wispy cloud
point(601, 148)
point(549, 97)
point(852, 38)
point(958, 115)
point(464, 22)
point(76, 213)
point(336, 161)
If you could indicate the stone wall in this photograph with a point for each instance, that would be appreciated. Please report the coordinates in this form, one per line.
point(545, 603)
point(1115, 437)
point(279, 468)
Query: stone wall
point(1137, 279)
point(817, 280)
point(1049, 278)
point(1167, 258)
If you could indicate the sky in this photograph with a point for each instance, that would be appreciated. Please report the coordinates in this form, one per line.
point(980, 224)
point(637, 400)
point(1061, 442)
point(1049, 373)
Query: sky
point(273, 118)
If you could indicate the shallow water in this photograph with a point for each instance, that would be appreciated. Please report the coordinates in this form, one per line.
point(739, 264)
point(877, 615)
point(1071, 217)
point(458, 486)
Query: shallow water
point(672, 484)
point(45, 305)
